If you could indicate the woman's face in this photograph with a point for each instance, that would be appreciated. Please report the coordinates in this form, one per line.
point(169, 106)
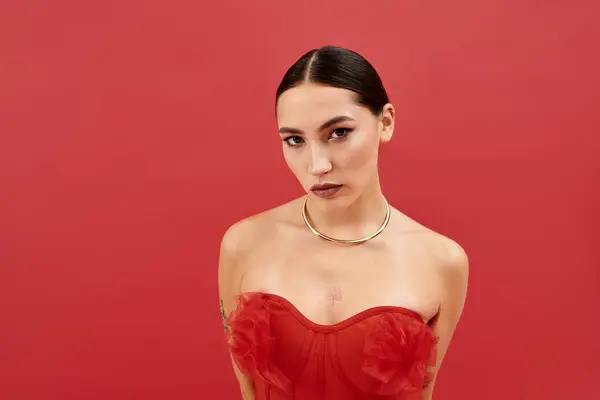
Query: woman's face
point(328, 138)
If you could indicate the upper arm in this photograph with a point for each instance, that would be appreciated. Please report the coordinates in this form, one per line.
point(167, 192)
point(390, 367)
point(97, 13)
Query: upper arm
point(232, 245)
point(454, 271)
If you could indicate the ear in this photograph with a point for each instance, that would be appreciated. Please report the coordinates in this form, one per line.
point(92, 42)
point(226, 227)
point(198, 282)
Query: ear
point(386, 123)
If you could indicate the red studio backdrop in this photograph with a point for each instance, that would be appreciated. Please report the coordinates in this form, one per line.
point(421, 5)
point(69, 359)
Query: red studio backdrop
point(132, 133)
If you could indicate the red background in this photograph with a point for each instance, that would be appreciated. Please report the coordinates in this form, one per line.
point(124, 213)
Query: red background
point(134, 133)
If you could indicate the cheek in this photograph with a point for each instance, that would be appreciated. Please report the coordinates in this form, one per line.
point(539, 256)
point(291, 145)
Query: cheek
point(293, 162)
point(360, 153)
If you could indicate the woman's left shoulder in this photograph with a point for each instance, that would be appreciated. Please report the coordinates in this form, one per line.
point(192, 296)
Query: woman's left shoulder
point(449, 252)
point(446, 253)
point(449, 260)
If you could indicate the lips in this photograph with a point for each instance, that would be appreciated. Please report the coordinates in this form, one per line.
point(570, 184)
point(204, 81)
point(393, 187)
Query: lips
point(323, 186)
point(325, 190)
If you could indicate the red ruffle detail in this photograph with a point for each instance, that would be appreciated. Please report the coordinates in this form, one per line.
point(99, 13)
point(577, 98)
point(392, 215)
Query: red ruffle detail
point(250, 340)
point(397, 352)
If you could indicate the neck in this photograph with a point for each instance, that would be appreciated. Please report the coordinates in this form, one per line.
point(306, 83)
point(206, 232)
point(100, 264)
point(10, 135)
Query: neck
point(354, 220)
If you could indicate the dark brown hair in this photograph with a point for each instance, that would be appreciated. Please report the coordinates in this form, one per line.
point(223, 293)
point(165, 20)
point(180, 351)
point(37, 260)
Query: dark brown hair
point(341, 68)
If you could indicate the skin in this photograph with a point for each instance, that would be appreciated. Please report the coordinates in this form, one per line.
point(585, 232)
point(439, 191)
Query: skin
point(407, 265)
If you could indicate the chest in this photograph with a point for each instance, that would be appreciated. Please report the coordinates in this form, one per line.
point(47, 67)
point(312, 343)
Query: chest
point(329, 283)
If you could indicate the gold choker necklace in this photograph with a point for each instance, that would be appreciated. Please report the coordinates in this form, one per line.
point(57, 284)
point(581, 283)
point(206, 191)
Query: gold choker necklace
point(343, 241)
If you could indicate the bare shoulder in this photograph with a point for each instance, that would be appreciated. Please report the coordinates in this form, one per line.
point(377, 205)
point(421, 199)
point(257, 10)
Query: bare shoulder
point(448, 255)
point(452, 265)
point(448, 260)
point(248, 235)
point(247, 229)
point(453, 262)
point(451, 256)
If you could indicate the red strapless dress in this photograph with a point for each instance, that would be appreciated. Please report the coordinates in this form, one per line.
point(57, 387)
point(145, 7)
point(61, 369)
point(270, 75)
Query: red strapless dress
point(382, 352)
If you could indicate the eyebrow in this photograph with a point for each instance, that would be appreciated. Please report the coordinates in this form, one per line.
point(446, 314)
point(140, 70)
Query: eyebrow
point(325, 125)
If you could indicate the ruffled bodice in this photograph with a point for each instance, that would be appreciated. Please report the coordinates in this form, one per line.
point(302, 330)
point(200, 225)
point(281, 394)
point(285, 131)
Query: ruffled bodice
point(382, 352)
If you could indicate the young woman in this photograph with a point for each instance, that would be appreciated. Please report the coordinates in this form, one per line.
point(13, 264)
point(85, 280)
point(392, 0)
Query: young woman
point(337, 295)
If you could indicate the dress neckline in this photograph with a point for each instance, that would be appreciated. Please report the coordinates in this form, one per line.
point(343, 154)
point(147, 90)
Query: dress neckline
point(353, 319)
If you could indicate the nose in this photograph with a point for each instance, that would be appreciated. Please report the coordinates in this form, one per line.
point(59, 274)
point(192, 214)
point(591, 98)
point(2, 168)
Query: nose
point(320, 164)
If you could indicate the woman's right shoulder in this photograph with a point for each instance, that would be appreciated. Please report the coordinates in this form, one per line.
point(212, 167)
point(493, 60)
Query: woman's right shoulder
point(246, 237)
point(234, 246)
point(249, 233)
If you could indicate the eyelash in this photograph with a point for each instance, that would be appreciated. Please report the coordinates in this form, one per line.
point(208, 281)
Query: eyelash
point(346, 131)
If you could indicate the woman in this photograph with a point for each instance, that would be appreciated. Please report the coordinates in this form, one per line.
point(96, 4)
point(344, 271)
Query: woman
point(337, 295)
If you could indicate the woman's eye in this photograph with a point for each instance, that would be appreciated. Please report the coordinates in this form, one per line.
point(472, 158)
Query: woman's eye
point(293, 141)
point(340, 133)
